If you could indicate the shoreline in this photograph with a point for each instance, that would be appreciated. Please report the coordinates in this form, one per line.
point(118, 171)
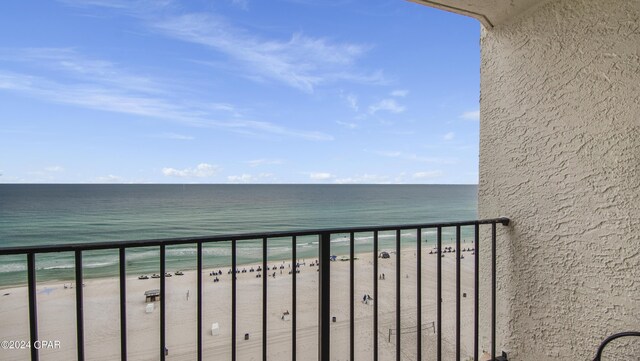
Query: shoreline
point(88, 274)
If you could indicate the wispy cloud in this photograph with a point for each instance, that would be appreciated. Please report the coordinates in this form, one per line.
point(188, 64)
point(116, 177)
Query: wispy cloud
point(428, 174)
point(54, 168)
point(449, 136)
point(202, 170)
point(302, 62)
point(368, 179)
point(48, 173)
point(69, 62)
point(415, 157)
point(320, 3)
point(242, 4)
point(347, 124)
point(173, 136)
point(109, 179)
point(400, 93)
point(116, 4)
point(249, 178)
point(351, 100)
point(401, 178)
point(471, 115)
point(320, 176)
point(389, 105)
point(90, 84)
point(261, 162)
point(244, 178)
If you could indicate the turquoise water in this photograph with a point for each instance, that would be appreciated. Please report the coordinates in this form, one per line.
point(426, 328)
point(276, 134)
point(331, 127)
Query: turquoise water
point(57, 214)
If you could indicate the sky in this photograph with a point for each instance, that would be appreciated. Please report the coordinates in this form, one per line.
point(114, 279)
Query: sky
point(237, 91)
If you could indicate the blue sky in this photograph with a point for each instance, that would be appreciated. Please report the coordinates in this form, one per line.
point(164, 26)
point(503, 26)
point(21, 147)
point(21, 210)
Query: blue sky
point(237, 91)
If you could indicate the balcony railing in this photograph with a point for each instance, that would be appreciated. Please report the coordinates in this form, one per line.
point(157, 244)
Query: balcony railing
point(324, 292)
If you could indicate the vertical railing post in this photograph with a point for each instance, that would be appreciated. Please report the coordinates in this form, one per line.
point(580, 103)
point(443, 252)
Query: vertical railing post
point(123, 305)
point(439, 294)
point(163, 302)
point(234, 298)
point(375, 296)
point(398, 295)
point(458, 299)
point(79, 307)
point(419, 294)
point(294, 269)
point(199, 300)
point(476, 292)
point(33, 304)
point(324, 298)
point(493, 290)
point(352, 296)
point(265, 299)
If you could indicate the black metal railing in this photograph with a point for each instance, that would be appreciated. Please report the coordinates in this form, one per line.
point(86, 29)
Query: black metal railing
point(324, 235)
point(611, 338)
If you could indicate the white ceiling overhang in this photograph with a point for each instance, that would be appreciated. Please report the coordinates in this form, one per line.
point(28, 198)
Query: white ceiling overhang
point(489, 12)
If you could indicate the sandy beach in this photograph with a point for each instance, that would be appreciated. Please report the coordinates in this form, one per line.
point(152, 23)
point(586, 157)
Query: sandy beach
point(56, 313)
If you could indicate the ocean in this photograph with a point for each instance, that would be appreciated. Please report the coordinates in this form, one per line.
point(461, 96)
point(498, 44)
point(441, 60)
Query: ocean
point(43, 214)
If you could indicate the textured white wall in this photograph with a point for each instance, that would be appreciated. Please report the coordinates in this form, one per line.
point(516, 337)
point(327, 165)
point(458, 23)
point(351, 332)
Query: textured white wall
point(560, 156)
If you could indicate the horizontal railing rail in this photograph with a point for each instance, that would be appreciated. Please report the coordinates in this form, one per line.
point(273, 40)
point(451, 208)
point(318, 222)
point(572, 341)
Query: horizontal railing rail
point(324, 236)
point(93, 246)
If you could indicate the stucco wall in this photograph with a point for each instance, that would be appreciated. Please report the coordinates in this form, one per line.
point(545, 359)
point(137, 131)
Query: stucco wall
point(560, 156)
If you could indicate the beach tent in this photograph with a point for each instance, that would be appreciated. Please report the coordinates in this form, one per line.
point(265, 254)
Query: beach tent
point(384, 255)
point(332, 258)
point(215, 329)
point(149, 308)
point(152, 296)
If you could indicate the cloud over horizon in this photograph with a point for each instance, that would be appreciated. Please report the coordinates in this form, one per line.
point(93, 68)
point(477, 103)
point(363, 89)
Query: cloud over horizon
point(202, 170)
